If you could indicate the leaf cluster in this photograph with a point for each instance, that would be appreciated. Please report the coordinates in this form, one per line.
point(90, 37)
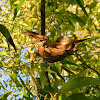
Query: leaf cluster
point(25, 76)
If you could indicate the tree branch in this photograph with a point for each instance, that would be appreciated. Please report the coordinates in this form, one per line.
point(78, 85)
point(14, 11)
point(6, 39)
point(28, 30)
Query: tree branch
point(43, 17)
point(43, 32)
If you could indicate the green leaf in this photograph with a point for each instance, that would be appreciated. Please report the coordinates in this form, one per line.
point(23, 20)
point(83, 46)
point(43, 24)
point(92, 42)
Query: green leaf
point(70, 63)
point(81, 4)
point(81, 96)
point(54, 68)
point(14, 78)
point(71, 22)
point(78, 96)
point(18, 8)
point(6, 34)
point(3, 46)
point(43, 78)
point(28, 89)
point(34, 19)
point(4, 96)
point(10, 40)
point(47, 69)
point(4, 31)
point(53, 39)
point(76, 18)
point(2, 53)
point(64, 67)
point(27, 97)
point(78, 83)
point(93, 5)
point(12, 2)
point(2, 85)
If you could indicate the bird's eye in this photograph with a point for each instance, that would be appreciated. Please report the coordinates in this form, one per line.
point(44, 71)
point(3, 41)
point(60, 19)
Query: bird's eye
point(71, 41)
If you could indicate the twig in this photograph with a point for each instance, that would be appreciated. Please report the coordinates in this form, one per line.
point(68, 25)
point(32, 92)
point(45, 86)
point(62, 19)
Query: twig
point(20, 65)
point(84, 63)
point(13, 66)
point(12, 58)
point(37, 84)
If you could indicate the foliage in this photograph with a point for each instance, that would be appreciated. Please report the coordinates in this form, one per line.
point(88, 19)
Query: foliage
point(25, 76)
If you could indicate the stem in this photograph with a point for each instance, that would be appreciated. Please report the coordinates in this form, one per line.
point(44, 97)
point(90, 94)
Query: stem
point(42, 17)
point(84, 63)
point(43, 33)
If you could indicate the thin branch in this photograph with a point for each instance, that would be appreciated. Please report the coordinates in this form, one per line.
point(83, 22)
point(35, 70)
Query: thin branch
point(13, 66)
point(84, 63)
point(12, 58)
point(20, 65)
point(35, 80)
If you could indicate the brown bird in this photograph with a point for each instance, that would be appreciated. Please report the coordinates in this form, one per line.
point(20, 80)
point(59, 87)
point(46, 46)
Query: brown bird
point(57, 51)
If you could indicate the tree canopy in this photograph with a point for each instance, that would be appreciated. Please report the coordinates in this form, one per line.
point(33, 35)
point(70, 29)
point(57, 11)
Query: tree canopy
point(25, 76)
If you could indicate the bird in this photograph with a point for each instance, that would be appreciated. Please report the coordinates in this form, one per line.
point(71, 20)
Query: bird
point(56, 52)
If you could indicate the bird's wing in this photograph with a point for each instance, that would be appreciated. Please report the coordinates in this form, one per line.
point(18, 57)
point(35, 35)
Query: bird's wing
point(37, 36)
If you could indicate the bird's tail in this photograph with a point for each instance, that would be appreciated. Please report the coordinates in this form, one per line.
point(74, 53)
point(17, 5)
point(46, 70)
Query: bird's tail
point(37, 36)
